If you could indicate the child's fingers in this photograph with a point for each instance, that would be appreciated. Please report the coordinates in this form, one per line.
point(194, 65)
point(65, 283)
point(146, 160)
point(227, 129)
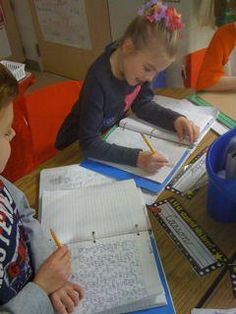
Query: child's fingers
point(74, 295)
point(158, 158)
point(68, 302)
point(195, 132)
point(79, 289)
point(59, 306)
point(61, 252)
point(189, 132)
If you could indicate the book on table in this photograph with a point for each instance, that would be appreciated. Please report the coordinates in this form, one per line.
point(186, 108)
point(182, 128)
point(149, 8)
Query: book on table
point(107, 230)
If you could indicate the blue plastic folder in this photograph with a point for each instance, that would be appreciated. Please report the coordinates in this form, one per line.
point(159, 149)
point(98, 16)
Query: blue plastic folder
point(169, 307)
point(119, 174)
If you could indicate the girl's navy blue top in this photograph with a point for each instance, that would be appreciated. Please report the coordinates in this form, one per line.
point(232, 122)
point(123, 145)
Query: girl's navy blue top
point(101, 105)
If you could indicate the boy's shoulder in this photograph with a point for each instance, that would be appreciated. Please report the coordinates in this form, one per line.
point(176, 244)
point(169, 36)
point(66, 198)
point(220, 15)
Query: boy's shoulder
point(12, 189)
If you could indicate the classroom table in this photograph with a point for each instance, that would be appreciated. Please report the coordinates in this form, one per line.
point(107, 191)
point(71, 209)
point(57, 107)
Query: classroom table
point(187, 288)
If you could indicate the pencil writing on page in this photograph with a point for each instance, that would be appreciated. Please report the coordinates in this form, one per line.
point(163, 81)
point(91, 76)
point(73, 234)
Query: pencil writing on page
point(58, 243)
point(148, 143)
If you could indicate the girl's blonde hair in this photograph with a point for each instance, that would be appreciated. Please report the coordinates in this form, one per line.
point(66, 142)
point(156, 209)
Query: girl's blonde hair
point(145, 34)
point(8, 86)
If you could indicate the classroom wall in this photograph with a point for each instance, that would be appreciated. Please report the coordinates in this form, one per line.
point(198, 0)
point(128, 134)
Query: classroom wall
point(121, 12)
point(194, 37)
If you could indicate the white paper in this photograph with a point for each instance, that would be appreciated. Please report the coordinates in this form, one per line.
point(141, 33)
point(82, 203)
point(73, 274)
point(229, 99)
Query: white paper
point(186, 236)
point(203, 117)
point(213, 311)
point(106, 210)
point(172, 151)
point(70, 177)
point(189, 179)
point(122, 270)
point(64, 22)
point(219, 128)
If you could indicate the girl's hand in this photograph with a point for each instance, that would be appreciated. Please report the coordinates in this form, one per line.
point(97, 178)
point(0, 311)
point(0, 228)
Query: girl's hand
point(55, 271)
point(186, 128)
point(65, 299)
point(151, 162)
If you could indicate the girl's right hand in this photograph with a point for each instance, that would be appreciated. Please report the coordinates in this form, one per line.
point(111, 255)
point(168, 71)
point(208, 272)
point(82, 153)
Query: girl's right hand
point(55, 271)
point(151, 162)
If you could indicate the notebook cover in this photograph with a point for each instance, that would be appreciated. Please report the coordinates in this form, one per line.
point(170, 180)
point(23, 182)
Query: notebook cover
point(141, 182)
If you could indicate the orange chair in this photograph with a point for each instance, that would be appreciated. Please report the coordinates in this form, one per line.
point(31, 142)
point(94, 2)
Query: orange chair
point(191, 68)
point(45, 110)
point(21, 160)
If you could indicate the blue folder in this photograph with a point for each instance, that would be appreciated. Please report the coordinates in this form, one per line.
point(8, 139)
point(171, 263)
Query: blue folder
point(141, 182)
point(169, 307)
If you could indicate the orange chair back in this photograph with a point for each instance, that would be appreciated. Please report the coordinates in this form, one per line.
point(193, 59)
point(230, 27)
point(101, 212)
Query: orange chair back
point(46, 109)
point(193, 62)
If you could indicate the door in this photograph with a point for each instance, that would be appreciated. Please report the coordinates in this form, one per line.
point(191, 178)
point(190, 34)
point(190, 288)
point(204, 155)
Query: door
point(57, 23)
point(10, 36)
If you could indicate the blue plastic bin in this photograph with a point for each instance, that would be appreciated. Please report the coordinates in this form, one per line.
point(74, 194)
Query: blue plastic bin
point(221, 202)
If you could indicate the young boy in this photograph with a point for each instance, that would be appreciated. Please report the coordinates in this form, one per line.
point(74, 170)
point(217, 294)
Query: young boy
point(33, 279)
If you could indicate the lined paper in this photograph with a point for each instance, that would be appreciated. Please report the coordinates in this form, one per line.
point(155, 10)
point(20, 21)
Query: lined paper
point(172, 151)
point(70, 177)
point(122, 271)
point(107, 210)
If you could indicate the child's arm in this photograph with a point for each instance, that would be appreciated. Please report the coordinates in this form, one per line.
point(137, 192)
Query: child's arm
point(33, 298)
point(146, 109)
point(40, 245)
point(225, 83)
point(69, 296)
point(91, 120)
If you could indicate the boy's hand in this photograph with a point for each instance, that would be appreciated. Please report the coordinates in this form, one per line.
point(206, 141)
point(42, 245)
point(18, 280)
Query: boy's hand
point(66, 298)
point(151, 162)
point(186, 128)
point(55, 271)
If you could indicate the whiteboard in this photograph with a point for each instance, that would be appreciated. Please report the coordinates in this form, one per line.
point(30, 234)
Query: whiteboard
point(64, 22)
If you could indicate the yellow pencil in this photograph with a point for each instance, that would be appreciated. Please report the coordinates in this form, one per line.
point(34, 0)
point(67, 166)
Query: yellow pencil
point(148, 143)
point(58, 243)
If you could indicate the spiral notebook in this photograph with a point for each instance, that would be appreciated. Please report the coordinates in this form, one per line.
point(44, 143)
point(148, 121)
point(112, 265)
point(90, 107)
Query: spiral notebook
point(108, 232)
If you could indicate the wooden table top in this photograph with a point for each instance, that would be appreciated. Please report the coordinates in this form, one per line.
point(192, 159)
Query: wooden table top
point(187, 288)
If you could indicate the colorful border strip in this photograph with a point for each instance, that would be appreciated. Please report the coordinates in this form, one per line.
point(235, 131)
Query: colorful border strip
point(217, 254)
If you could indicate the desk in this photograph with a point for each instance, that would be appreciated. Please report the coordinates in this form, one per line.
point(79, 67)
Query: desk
point(224, 101)
point(186, 287)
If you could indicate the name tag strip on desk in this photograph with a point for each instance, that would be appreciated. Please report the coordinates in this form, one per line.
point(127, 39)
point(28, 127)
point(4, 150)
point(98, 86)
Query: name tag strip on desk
point(232, 272)
point(188, 180)
point(191, 239)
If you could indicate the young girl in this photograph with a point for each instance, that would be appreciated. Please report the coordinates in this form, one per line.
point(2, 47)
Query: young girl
point(119, 79)
point(218, 70)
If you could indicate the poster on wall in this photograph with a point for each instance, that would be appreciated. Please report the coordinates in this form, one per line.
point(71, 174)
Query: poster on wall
point(64, 22)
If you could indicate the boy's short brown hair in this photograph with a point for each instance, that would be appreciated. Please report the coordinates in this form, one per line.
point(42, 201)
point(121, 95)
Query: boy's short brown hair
point(8, 86)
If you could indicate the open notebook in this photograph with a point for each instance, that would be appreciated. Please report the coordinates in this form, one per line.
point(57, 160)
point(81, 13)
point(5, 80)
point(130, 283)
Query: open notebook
point(172, 151)
point(107, 230)
point(203, 117)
